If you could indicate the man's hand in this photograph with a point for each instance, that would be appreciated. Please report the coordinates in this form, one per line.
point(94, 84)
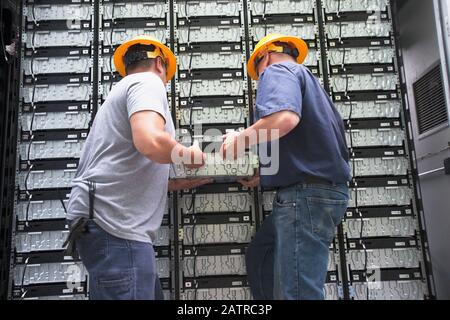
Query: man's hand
point(251, 182)
point(183, 184)
point(196, 158)
point(231, 149)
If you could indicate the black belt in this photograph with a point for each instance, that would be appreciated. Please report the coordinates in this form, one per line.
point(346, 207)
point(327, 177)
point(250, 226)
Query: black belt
point(79, 225)
point(309, 180)
point(316, 180)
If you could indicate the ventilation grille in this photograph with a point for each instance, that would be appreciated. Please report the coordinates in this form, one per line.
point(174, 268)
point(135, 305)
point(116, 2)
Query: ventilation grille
point(430, 100)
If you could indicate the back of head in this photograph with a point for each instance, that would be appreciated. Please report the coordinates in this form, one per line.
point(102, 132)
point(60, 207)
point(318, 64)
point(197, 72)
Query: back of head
point(289, 52)
point(137, 60)
point(275, 48)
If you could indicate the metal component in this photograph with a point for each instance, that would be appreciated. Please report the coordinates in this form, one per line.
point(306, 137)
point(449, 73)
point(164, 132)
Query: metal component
point(260, 7)
point(216, 166)
point(381, 227)
point(210, 60)
point(214, 265)
point(51, 149)
point(209, 8)
point(391, 290)
point(361, 55)
point(120, 35)
point(54, 92)
point(306, 31)
point(209, 34)
point(218, 233)
point(377, 137)
point(380, 166)
point(358, 29)
point(48, 272)
point(369, 109)
point(211, 115)
point(382, 196)
point(150, 9)
point(242, 293)
point(41, 210)
point(46, 179)
point(216, 202)
point(59, 12)
point(224, 87)
point(364, 82)
point(57, 65)
point(384, 258)
point(56, 120)
point(40, 241)
point(426, 173)
point(75, 38)
point(355, 5)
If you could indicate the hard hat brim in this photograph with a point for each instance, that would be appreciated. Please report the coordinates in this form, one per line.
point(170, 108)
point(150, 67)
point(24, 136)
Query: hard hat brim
point(122, 49)
point(297, 42)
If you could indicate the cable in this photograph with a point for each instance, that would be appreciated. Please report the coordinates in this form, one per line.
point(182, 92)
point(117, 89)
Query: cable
point(32, 59)
point(264, 17)
point(30, 129)
point(33, 92)
point(33, 110)
point(29, 148)
point(63, 205)
point(29, 195)
point(191, 133)
point(191, 210)
point(352, 153)
point(2, 40)
point(191, 77)
point(113, 23)
point(33, 14)
point(186, 8)
point(24, 292)
point(30, 168)
point(352, 156)
point(28, 207)
point(194, 249)
point(355, 183)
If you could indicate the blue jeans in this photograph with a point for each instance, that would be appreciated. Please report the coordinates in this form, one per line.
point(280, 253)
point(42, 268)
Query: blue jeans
point(119, 269)
point(288, 257)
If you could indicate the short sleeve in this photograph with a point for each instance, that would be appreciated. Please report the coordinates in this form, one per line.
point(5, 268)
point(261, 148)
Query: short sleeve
point(279, 89)
point(146, 93)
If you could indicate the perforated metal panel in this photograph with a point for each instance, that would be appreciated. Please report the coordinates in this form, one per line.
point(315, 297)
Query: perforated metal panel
point(429, 95)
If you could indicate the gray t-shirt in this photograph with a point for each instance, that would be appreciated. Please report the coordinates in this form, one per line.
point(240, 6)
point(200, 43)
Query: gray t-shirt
point(131, 191)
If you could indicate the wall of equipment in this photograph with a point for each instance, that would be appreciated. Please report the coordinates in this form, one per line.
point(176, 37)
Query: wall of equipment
point(380, 250)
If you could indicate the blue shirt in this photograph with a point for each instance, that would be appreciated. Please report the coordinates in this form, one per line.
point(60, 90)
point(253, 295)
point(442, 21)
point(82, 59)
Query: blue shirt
point(317, 146)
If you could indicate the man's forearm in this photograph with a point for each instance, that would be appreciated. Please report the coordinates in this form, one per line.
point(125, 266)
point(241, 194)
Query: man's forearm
point(269, 128)
point(162, 147)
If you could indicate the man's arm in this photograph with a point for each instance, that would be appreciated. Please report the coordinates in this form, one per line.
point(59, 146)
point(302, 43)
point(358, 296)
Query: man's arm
point(152, 141)
point(282, 122)
point(183, 184)
point(279, 107)
point(271, 127)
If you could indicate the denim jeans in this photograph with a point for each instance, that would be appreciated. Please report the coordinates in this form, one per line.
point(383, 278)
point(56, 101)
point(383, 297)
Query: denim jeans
point(119, 269)
point(288, 257)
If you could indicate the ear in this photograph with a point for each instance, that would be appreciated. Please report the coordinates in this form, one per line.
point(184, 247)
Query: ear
point(265, 58)
point(264, 63)
point(160, 67)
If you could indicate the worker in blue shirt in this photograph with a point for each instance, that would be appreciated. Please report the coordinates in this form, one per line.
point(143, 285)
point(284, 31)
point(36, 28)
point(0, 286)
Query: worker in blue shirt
point(307, 166)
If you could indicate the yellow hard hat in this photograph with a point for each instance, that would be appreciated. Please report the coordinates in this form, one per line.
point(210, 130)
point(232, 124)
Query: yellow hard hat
point(160, 51)
point(267, 44)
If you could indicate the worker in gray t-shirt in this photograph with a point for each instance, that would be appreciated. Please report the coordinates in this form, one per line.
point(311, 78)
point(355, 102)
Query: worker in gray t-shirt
point(119, 194)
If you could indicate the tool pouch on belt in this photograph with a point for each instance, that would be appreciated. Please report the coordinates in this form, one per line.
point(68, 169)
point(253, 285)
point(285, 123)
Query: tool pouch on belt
point(79, 225)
